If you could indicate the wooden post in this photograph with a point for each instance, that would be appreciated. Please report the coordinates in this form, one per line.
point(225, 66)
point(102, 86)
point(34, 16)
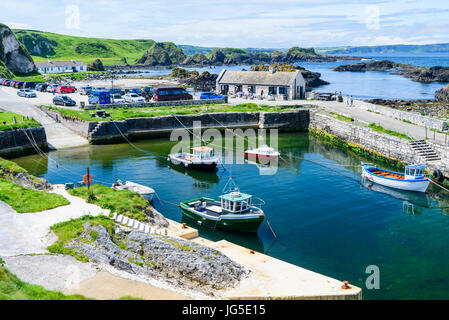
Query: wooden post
point(426, 132)
point(88, 180)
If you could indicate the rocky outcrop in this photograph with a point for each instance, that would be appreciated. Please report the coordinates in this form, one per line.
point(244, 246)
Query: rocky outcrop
point(23, 178)
point(443, 94)
point(162, 53)
point(37, 44)
point(431, 108)
point(420, 74)
point(96, 65)
point(13, 54)
point(182, 263)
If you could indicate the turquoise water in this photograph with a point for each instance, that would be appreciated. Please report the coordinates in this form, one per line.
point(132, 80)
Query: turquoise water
point(325, 218)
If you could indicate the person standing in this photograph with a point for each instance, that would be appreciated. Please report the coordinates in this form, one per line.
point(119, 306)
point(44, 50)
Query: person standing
point(352, 101)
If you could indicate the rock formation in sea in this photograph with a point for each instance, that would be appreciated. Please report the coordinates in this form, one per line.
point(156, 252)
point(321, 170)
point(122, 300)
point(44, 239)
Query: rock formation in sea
point(442, 94)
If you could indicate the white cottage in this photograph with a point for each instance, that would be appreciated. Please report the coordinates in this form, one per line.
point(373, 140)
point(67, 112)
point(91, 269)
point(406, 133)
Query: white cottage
point(61, 66)
point(289, 85)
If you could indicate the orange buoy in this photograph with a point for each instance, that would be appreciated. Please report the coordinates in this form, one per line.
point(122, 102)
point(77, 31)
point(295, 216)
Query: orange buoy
point(87, 179)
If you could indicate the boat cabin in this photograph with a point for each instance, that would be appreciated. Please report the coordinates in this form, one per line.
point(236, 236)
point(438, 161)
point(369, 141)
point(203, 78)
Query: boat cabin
point(414, 171)
point(203, 152)
point(236, 202)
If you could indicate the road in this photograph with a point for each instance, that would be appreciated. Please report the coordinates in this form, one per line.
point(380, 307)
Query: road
point(58, 136)
point(412, 130)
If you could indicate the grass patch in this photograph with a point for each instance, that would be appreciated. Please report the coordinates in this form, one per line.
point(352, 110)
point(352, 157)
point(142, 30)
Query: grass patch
point(123, 202)
point(12, 288)
point(68, 230)
point(24, 200)
point(8, 167)
point(342, 117)
point(7, 121)
point(381, 129)
point(123, 113)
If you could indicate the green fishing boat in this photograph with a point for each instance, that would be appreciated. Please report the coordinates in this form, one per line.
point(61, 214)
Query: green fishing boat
point(234, 211)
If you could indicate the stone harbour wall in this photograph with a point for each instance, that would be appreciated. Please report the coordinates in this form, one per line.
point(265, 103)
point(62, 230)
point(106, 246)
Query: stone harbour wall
point(16, 143)
point(413, 117)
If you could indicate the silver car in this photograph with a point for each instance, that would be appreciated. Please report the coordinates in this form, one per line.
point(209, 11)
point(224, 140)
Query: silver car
point(27, 93)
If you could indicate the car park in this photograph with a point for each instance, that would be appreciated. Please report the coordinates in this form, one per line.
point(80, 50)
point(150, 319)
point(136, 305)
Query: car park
point(133, 97)
point(26, 93)
point(64, 101)
point(210, 95)
point(52, 88)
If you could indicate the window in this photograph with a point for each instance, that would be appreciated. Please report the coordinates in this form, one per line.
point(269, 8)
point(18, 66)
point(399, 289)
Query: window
point(282, 90)
point(272, 90)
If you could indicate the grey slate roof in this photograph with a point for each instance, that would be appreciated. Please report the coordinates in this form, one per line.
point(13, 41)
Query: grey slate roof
point(60, 64)
point(258, 78)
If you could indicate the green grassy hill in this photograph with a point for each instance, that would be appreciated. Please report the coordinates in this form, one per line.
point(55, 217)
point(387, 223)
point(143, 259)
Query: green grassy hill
point(42, 45)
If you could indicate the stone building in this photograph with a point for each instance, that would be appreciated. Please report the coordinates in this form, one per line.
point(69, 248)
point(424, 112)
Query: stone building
point(279, 84)
point(61, 66)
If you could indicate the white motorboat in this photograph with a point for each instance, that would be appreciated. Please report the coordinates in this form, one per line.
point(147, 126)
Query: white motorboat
point(261, 153)
point(146, 192)
point(202, 158)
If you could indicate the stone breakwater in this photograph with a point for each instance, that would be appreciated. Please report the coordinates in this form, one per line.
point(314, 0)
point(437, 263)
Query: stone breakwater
point(182, 263)
point(20, 142)
point(101, 132)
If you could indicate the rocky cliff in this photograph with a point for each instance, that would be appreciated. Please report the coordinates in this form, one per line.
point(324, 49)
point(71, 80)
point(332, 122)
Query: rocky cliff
point(13, 54)
point(162, 54)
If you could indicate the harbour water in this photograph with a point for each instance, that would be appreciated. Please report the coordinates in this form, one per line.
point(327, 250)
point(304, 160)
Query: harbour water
point(326, 219)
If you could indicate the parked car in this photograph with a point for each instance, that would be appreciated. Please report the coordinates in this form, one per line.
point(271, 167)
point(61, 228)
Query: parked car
point(64, 101)
point(136, 91)
point(52, 88)
point(117, 98)
point(100, 89)
point(171, 94)
point(210, 95)
point(27, 93)
point(85, 90)
point(100, 97)
point(133, 97)
point(29, 85)
point(21, 85)
point(7, 82)
point(13, 83)
point(116, 91)
point(65, 89)
point(42, 87)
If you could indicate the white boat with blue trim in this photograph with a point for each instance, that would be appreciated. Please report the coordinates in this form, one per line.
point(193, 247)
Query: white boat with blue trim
point(412, 180)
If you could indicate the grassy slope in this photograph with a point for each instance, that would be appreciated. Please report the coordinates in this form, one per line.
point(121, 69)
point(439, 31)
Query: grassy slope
point(27, 200)
point(64, 47)
point(123, 202)
point(127, 113)
point(8, 117)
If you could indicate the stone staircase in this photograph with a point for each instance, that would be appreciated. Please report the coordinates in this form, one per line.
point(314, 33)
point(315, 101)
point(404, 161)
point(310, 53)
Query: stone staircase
point(137, 225)
point(95, 130)
point(423, 150)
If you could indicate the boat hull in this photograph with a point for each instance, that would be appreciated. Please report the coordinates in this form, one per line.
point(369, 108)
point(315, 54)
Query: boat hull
point(260, 156)
point(194, 165)
point(250, 224)
point(408, 185)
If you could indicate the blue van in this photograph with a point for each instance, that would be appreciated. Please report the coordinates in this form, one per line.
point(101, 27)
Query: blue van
point(100, 97)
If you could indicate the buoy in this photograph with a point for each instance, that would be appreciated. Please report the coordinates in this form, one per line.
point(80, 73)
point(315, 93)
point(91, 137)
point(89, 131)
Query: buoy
point(345, 285)
point(87, 179)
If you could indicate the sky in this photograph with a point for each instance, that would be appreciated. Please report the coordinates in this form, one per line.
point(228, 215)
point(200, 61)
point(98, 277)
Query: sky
point(239, 23)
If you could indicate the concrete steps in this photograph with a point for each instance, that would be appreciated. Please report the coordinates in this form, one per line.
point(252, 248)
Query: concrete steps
point(423, 150)
point(95, 130)
point(137, 225)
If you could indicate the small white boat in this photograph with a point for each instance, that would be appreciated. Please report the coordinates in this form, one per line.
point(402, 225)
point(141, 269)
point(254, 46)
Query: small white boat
point(144, 191)
point(263, 152)
point(412, 180)
point(202, 158)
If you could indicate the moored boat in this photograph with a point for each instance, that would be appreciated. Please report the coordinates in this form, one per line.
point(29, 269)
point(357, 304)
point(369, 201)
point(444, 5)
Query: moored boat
point(202, 158)
point(234, 211)
point(262, 153)
point(146, 192)
point(412, 180)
